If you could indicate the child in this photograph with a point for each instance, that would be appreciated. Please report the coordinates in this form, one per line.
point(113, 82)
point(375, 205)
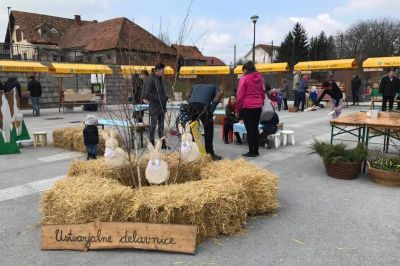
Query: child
point(273, 97)
point(91, 136)
point(314, 95)
point(279, 99)
point(268, 128)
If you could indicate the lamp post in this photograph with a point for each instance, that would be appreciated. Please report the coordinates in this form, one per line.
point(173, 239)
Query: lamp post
point(254, 19)
point(9, 30)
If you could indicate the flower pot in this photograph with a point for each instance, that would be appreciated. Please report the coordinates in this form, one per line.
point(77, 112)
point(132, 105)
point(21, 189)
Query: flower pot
point(343, 170)
point(386, 178)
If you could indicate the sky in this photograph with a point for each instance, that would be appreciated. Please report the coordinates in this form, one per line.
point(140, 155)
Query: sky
point(215, 26)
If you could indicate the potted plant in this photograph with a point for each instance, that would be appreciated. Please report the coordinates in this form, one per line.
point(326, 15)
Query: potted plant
point(385, 169)
point(340, 162)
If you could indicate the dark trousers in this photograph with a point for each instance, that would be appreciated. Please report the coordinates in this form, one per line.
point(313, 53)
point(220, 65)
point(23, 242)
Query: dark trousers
point(228, 126)
point(251, 118)
point(354, 92)
point(385, 99)
point(285, 106)
point(156, 120)
point(300, 99)
point(198, 111)
point(91, 151)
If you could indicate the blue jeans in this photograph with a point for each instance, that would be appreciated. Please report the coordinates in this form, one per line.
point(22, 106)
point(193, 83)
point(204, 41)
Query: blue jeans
point(91, 150)
point(36, 105)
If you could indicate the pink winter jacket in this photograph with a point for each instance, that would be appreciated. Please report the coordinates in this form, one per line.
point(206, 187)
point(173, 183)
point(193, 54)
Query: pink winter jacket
point(250, 93)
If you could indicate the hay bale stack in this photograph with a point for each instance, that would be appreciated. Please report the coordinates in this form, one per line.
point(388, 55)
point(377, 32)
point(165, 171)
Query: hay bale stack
point(71, 138)
point(216, 206)
point(261, 185)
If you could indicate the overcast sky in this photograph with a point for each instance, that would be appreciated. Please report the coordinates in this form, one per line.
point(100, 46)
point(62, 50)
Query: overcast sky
point(217, 24)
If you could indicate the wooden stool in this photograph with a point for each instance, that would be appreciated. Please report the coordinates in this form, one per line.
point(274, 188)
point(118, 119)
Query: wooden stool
point(275, 139)
point(39, 138)
point(288, 137)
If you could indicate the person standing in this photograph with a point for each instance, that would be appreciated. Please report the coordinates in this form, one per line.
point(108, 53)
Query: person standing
point(203, 99)
point(91, 136)
point(35, 91)
point(12, 83)
point(139, 92)
point(389, 87)
point(157, 97)
point(355, 87)
point(333, 90)
point(301, 93)
point(285, 93)
point(231, 119)
point(250, 99)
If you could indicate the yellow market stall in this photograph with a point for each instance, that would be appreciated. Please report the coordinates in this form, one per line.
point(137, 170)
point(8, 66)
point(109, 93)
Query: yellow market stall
point(341, 66)
point(374, 69)
point(76, 97)
point(192, 72)
point(265, 68)
point(27, 67)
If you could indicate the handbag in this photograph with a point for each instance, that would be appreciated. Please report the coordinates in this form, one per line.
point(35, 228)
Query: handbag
point(267, 111)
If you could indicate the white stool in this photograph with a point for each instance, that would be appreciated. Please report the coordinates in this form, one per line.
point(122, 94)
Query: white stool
point(275, 139)
point(288, 137)
point(40, 138)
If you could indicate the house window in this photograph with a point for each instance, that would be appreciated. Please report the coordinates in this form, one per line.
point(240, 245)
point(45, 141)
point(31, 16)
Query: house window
point(99, 59)
point(18, 34)
point(109, 57)
point(25, 56)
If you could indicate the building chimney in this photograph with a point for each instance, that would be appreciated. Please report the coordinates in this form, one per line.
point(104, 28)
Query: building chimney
point(95, 21)
point(78, 19)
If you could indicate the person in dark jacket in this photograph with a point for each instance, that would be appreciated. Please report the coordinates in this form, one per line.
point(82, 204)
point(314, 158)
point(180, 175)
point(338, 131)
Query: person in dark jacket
point(157, 97)
point(203, 100)
point(35, 90)
point(138, 92)
point(355, 87)
point(389, 87)
point(268, 128)
point(1, 86)
point(91, 136)
point(12, 83)
point(230, 119)
point(285, 93)
point(333, 90)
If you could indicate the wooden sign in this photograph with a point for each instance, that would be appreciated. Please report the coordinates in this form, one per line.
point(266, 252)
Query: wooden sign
point(115, 235)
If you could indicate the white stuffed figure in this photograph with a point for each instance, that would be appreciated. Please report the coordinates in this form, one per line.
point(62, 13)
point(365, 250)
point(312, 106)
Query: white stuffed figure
point(189, 150)
point(114, 156)
point(157, 170)
point(5, 123)
point(17, 118)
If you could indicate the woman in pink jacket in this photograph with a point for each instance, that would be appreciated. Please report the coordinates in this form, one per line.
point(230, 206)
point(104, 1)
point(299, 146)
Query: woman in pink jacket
point(250, 99)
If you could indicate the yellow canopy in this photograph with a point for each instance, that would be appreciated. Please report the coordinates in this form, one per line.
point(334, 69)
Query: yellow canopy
point(264, 68)
point(22, 66)
point(129, 70)
point(204, 70)
point(380, 62)
point(62, 68)
point(326, 65)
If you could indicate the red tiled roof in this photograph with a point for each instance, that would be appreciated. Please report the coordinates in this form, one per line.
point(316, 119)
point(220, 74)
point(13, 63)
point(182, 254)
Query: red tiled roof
point(113, 34)
point(189, 52)
point(214, 61)
point(29, 22)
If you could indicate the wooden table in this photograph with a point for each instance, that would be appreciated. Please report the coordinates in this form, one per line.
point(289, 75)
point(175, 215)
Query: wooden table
point(386, 125)
point(356, 123)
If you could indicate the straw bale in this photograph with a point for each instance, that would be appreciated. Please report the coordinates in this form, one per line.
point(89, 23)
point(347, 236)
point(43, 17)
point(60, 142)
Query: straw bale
point(261, 185)
point(71, 138)
point(216, 206)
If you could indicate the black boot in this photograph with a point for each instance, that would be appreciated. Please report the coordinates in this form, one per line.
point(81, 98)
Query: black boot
point(164, 145)
point(88, 157)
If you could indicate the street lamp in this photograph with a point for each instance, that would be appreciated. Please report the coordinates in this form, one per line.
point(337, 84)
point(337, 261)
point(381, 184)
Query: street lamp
point(9, 30)
point(254, 19)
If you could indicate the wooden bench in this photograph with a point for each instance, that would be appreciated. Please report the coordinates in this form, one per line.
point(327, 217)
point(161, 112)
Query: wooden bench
point(78, 99)
point(378, 99)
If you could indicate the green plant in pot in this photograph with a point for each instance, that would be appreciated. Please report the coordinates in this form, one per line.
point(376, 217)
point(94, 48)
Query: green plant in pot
point(384, 168)
point(340, 162)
